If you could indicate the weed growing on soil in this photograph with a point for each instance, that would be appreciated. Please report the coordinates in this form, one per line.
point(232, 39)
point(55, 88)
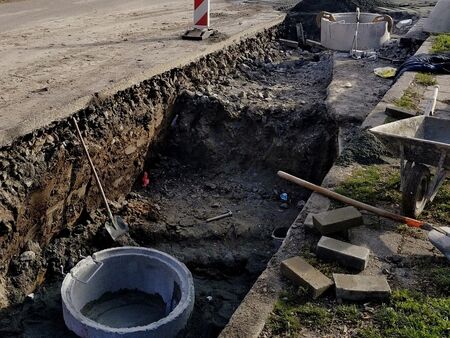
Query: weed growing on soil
point(441, 43)
point(425, 79)
point(327, 268)
point(409, 100)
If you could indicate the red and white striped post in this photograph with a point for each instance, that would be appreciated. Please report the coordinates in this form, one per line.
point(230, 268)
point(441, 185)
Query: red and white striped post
point(201, 21)
point(201, 14)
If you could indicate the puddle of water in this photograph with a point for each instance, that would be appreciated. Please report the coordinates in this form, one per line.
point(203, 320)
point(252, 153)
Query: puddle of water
point(125, 309)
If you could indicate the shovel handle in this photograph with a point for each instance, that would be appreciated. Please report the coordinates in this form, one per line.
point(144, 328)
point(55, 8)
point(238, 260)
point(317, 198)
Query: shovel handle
point(97, 179)
point(411, 222)
point(328, 193)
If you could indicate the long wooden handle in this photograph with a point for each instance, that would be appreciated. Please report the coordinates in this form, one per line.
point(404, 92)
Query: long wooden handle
point(328, 193)
point(97, 179)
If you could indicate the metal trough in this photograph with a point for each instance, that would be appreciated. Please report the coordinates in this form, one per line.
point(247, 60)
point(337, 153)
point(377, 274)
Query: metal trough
point(338, 30)
point(419, 142)
point(142, 270)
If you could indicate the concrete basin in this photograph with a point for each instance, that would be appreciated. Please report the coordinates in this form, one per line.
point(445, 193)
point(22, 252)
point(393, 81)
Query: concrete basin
point(135, 292)
point(338, 31)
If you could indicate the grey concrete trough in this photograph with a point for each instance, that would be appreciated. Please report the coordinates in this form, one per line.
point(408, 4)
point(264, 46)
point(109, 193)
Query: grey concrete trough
point(338, 31)
point(128, 268)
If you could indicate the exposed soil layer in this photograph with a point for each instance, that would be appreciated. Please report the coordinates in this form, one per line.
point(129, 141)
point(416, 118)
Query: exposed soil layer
point(46, 181)
point(219, 137)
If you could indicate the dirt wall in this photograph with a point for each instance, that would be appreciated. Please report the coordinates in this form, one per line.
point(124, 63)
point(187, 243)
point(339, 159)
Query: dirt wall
point(46, 182)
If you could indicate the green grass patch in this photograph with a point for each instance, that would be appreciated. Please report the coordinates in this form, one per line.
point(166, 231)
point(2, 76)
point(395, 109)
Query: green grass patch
point(372, 184)
point(441, 43)
point(409, 100)
point(291, 313)
point(380, 184)
point(425, 79)
point(439, 209)
point(412, 315)
point(406, 315)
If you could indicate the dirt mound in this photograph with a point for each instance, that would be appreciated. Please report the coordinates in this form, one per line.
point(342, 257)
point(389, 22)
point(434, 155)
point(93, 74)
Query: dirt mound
point(364, 148)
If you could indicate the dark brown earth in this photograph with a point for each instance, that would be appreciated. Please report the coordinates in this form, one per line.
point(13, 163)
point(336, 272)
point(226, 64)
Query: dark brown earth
point(217, 148)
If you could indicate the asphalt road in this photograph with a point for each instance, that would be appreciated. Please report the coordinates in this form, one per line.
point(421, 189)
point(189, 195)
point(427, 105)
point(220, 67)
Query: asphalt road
point(54, 55)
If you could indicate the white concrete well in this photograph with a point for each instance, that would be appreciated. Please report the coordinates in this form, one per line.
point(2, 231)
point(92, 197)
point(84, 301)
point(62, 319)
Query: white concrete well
point(338, 30)
point(128, 292)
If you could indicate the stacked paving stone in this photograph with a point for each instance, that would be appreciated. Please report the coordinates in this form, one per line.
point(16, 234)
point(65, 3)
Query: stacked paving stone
point(348, 287)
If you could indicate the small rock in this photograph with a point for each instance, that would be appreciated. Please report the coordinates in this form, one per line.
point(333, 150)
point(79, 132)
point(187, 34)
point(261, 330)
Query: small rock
point(27, 256)
point(215, 205)
point(210, 186)
point(284, 206)
point(348, 85)
point(243, 95)
point(301, 204)
point(209, 298)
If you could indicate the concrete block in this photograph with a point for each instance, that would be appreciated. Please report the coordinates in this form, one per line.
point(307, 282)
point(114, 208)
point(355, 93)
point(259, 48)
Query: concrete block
point(302, 273)
point(361, 288)
point(337, 220)
point(349, 255)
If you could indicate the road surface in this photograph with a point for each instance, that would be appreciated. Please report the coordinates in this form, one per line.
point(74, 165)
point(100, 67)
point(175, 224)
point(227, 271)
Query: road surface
point(54, 55)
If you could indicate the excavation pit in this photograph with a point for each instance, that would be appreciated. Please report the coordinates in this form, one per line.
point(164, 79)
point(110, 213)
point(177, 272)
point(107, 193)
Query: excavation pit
point(128, 292)
point(211, 138)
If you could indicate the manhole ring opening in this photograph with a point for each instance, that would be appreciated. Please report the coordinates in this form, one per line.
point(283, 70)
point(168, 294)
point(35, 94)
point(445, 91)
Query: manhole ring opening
point(105, 292)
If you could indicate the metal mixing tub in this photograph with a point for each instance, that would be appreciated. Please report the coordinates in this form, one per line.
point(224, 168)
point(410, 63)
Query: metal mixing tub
point(338, 30)
point(128, 268)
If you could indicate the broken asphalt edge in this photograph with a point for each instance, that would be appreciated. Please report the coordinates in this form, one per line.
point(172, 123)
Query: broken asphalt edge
point(33, 123)
point(251, 316)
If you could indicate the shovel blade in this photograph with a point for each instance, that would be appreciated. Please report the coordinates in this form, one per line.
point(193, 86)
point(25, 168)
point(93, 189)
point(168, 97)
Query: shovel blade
point(441, 241)
point(117, 229)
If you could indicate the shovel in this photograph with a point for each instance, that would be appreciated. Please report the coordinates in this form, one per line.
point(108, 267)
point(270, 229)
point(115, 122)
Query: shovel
point(118, 227)
point(438, 236)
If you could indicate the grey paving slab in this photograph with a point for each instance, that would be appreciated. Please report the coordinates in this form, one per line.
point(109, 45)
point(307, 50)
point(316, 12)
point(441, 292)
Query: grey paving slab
point(349, 255)
point(302, 273)
point(337, 220)
point(361, 288)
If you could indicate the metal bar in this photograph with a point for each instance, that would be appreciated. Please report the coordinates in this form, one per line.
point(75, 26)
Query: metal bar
point(439, 178)
point(402, 167)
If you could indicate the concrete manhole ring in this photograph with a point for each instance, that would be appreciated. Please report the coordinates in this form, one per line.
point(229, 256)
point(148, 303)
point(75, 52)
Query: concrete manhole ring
point(128, 268)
